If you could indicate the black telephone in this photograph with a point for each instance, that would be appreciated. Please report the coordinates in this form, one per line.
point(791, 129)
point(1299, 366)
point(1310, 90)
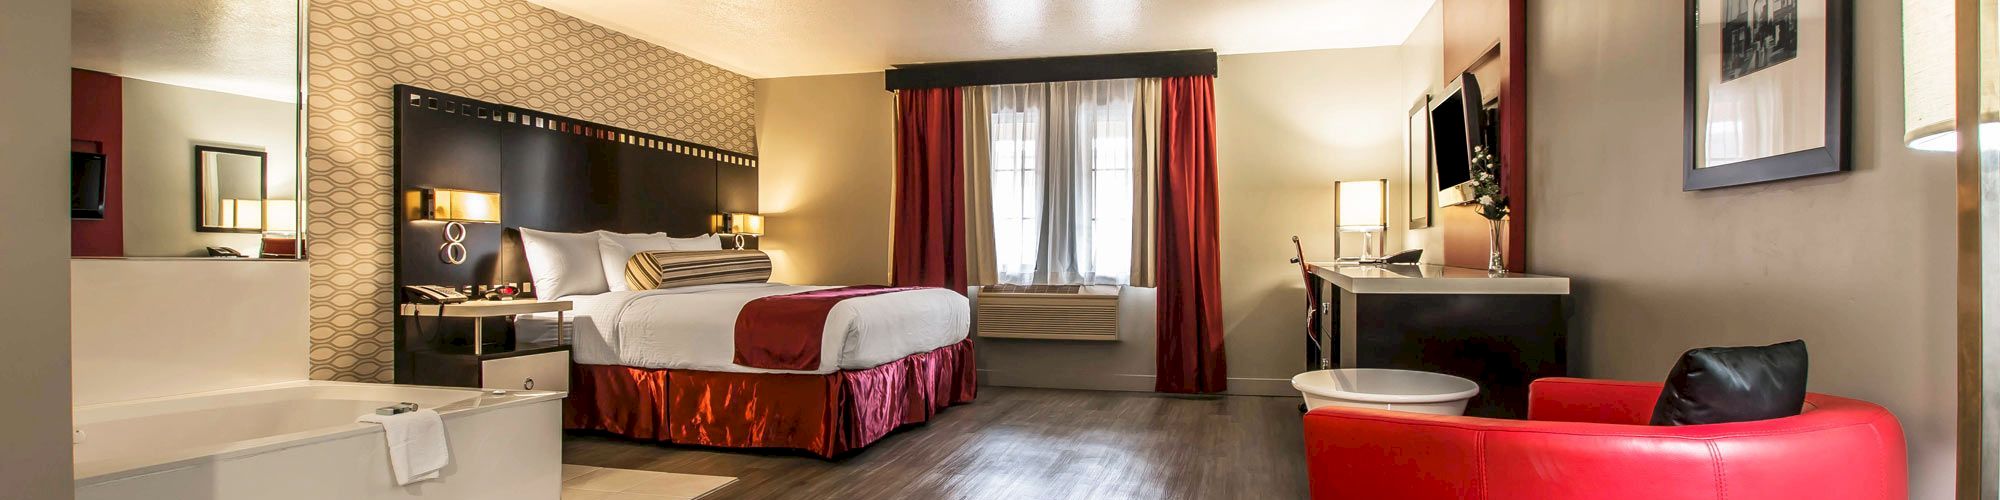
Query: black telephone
point(1404, 257)
point(432, 294)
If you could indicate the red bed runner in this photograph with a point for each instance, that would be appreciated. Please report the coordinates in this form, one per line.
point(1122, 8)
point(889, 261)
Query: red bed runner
point(783, 332)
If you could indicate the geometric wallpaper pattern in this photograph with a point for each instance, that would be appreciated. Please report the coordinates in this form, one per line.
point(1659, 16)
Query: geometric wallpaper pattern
point(506, 51)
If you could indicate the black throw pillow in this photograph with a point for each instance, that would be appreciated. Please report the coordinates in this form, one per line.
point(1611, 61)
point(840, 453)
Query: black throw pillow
point(1714, 385)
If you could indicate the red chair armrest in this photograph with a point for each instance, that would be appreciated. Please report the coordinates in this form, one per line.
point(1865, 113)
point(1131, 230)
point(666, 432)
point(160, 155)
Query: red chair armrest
point(1562, 399)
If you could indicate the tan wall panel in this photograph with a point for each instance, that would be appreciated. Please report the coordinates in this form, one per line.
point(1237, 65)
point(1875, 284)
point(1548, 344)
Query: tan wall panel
point(825, 177)
point(226, 323)
point(34, 256)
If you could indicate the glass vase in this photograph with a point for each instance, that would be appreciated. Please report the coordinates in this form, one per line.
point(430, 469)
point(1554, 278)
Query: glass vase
point(1494, 264)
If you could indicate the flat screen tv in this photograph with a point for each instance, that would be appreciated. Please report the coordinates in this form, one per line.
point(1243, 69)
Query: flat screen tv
point(1455, 128)
point(86, 185)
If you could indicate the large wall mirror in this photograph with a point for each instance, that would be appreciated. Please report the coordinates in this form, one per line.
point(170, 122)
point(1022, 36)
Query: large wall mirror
point(186, 122)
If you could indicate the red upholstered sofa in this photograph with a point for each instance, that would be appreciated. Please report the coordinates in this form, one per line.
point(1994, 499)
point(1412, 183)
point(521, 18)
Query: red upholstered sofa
point(1589, 439)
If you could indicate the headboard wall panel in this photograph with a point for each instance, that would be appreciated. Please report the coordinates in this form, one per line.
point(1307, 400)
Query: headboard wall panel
point(553, 173)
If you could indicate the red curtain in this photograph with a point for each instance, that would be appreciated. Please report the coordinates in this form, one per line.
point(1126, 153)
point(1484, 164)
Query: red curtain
point(929, 247)
point(1190, 357)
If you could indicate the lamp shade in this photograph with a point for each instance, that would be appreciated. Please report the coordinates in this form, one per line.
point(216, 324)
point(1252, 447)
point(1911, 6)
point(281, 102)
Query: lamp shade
point(249, 214)
point(1929, 90)
point(281, 215)
point(454, 205)
point(1361, 205)
point(743, 224)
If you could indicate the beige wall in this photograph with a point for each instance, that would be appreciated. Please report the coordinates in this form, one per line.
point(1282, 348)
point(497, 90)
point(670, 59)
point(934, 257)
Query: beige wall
point(147, 328)
point(34, 253)
point(826, 168)
point(507, 51)
point(1288, 125)
point(163, 124)
point(1857, 264)
point(1423, 74)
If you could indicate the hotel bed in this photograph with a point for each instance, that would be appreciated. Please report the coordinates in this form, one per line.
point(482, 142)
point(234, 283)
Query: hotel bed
point(659, 363)
point(687, 364)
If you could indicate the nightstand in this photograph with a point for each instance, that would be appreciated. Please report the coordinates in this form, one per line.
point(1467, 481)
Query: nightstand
point(443, 355)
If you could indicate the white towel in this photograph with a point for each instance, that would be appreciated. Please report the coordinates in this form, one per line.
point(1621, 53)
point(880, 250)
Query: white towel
point(416, 444)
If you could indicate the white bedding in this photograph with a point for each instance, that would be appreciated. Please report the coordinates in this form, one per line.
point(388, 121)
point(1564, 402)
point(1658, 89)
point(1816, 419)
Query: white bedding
point(694, 328)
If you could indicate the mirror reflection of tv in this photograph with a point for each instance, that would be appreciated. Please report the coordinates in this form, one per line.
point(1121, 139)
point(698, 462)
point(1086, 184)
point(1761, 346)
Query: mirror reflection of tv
point(1456, 127)
point(86, 185)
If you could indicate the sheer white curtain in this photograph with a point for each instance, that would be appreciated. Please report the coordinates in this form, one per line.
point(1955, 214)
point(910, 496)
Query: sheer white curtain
point(1062, 170)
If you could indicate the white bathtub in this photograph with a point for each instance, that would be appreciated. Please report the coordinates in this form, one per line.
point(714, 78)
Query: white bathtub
point(299, 440)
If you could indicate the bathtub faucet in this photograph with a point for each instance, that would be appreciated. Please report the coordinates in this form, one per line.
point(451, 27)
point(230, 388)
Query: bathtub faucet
point(403, 407)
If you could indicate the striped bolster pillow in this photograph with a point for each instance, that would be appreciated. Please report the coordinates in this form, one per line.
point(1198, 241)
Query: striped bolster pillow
point(662, 270)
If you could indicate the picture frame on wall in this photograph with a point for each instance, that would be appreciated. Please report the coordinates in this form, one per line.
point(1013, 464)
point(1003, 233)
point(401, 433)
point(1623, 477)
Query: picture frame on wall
point(1417, 180)
point(1767, 94)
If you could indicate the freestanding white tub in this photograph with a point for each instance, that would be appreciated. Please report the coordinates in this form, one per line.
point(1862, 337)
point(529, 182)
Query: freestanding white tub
point(299, 440)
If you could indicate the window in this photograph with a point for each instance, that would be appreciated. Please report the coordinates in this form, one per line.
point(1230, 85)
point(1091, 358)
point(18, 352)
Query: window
point(1062, 173)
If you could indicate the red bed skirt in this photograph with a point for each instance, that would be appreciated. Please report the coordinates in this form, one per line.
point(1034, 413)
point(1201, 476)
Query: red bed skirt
point(822, 414)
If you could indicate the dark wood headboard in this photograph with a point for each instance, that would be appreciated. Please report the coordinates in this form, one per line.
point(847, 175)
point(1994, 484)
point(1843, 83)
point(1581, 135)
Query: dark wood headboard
point(553, 173)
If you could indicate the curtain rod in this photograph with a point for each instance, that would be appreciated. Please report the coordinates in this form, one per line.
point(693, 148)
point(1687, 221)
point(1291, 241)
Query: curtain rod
point(1051, 69)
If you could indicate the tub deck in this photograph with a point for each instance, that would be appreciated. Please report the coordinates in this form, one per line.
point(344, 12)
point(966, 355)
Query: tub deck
point(133, 438)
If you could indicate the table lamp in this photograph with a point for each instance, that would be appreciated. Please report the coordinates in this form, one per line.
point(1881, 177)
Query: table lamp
point(1362, 207)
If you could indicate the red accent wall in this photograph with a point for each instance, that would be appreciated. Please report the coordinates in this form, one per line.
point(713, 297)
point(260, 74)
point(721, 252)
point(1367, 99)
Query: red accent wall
point(1488, 39)
point(97, 125)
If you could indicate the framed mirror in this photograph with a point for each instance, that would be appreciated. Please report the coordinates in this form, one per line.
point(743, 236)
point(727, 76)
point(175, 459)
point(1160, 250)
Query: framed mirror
point(1417, 182)
point(230, 195)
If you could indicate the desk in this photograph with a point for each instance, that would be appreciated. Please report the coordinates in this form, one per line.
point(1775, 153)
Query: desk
point(1500, 331)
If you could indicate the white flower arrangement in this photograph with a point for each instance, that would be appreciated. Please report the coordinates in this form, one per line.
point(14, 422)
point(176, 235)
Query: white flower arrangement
point(1486, 186)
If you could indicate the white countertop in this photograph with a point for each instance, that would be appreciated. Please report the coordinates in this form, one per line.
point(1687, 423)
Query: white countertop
point(1434, 279)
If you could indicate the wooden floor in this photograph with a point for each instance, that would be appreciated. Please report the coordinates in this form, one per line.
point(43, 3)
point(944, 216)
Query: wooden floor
point(1018, 443)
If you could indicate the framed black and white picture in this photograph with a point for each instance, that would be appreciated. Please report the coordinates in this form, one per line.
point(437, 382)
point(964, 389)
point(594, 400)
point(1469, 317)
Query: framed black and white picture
point(1767, 90)
point(1417, 180)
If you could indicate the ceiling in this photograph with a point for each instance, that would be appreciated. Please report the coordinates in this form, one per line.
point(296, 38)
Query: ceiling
point(243, 47)
point(775, 38)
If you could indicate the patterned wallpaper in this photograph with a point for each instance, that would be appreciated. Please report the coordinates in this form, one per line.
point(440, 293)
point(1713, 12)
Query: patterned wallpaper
point(507, 51)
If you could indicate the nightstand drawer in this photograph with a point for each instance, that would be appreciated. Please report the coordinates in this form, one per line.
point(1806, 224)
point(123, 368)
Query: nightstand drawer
point(547, 371)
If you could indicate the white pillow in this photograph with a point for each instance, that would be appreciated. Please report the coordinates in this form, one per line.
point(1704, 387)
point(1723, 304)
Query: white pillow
point(703, 242)
point(563, 264)
point(613, 249)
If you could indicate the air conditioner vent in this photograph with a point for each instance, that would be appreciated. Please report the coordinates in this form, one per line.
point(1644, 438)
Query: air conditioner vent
point(1047, 313)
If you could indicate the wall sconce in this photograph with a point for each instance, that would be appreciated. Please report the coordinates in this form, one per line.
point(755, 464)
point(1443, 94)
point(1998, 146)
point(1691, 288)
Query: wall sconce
point(1362, 207)
point(738, 224)
point(456, 207)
